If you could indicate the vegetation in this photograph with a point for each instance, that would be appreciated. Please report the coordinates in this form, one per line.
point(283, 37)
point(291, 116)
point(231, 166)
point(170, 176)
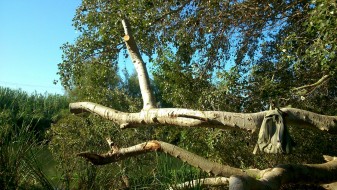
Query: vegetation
point(24, 120)
point(234, 56)
point(214, 55)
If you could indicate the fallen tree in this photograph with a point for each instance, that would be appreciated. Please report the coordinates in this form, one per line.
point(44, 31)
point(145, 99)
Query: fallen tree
point(271, 178)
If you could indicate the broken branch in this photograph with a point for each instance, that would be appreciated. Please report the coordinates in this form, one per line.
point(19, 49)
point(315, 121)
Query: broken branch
point(184, 155)
point(271, 178)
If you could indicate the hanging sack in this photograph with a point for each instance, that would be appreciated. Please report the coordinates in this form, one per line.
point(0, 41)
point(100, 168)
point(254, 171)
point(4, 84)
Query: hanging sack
point(274, 136)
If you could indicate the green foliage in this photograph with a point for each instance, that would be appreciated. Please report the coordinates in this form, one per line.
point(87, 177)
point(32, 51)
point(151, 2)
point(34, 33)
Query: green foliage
point(19, 167)
point(315, 44)
point(301, 53)
point(72, 135)
point(238, 56)
point(176, 82)
point(205, 35)
point(23, 121)
point(36, 110)
point(310, 51)
point(259, 50)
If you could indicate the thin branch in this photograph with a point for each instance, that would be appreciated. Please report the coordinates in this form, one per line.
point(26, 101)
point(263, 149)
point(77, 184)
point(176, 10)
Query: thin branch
point(313, 86)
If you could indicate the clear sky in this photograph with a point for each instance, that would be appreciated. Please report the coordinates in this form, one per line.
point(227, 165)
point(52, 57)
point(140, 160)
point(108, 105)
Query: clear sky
point(31, 33)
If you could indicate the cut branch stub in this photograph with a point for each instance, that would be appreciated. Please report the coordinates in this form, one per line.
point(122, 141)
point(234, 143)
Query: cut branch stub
point(126, 38)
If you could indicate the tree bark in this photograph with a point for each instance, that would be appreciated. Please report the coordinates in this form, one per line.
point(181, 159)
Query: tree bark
point(214, 181)
point(196, 118)
point(274, 178)
point(143, 77)
point(150, 146)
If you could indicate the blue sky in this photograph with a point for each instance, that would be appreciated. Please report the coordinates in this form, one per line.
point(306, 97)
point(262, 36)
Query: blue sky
point(31, 33)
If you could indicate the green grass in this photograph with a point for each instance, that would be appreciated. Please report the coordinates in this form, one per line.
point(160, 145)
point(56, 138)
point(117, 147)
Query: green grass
point(161, 171)
point(47, 164)
point(20, 167)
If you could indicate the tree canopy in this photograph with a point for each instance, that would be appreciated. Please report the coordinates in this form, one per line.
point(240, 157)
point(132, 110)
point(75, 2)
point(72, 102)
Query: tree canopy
point(238, 56)
point(253, 52)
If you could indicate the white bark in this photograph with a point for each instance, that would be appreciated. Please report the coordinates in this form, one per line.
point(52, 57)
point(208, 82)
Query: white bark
point(196, 118)
point(143, 78)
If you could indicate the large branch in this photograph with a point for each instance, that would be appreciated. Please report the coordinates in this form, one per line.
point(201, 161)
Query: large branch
point(192, 159)
point(248, 179)
point(143, 77)
point(196, 118)
point(274, 178)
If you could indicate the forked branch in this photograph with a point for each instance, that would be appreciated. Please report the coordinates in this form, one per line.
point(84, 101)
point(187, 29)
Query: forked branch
point(271, 178)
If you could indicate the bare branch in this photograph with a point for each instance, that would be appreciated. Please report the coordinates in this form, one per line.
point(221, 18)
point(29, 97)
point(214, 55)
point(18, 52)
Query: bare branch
point(271, 178)
point(196, 118)
point(329, 158)
point(150, 146)
point(144, 81)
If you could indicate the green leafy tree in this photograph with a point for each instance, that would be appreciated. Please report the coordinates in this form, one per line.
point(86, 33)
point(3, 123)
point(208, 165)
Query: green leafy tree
point(297, 68)
point(211, 55)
